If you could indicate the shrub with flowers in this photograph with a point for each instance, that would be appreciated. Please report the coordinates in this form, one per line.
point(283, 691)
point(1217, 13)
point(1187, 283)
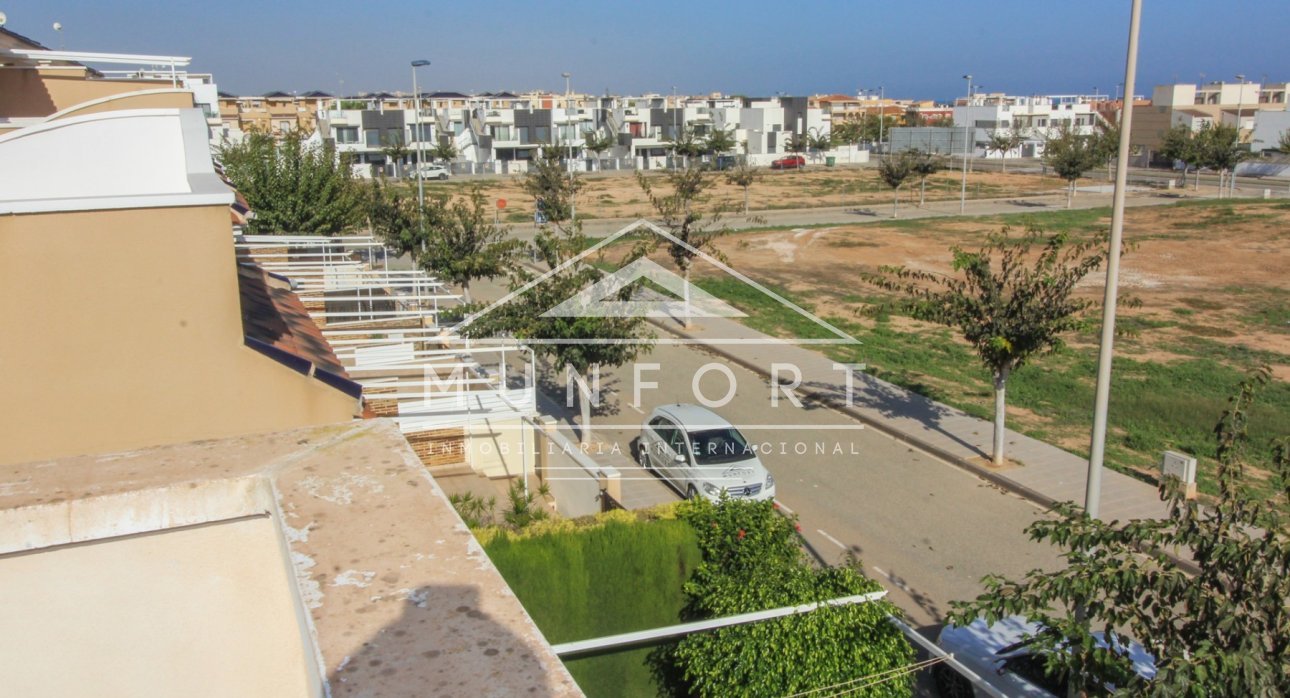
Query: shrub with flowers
point(753, 560)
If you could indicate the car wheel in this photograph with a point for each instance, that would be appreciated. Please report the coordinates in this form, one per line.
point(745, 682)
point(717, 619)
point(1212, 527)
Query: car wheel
point(691, 493)
point(950, 683)
point(443, 176)
point(642, 457)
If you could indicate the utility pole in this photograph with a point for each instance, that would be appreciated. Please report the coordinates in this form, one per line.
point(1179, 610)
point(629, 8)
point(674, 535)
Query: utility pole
point(1097, 449)
point(1240, 106)
point(416, 126)
point(967, 142)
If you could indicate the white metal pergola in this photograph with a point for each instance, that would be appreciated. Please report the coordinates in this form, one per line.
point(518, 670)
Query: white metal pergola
point(384, 326)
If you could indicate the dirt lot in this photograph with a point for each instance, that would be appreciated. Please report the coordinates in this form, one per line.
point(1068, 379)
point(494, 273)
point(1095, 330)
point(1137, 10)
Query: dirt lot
point(1183, 267)
point(617, 195)
point(1215, 301)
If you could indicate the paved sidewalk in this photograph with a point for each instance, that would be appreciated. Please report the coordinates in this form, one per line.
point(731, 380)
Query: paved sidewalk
point(1046, 474)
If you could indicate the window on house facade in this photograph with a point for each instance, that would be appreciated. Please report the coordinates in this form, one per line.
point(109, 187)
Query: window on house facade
point(347, 134)
point(500, 133)
point(372, 137)
point(542, 134)
point(393, 135)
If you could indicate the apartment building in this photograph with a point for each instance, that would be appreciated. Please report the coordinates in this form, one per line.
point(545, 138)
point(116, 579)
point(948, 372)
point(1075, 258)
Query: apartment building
point(502, 131)
point(1035, 116)
point(192, 496)
point(1233, 104)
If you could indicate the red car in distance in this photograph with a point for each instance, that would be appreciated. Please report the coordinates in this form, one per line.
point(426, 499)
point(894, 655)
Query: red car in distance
point(792, 162)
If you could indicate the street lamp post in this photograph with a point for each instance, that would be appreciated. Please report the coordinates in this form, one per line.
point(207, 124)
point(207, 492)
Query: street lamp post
point(882, 114)
point(967, 138)
point(1097, 450)
point(1240, 106)
point(416, 127)
point(573, 204)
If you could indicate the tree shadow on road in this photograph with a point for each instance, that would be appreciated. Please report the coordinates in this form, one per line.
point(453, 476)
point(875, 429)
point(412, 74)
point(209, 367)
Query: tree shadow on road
point(889, 401)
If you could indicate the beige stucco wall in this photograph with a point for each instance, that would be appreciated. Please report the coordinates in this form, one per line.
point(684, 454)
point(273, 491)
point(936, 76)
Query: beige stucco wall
point(500, 447)
point(204, 611)
point(122, 329)
point(177, 99)
point(26, 93)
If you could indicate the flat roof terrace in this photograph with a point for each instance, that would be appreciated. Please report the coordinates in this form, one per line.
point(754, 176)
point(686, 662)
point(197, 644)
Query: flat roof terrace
point(262, 565)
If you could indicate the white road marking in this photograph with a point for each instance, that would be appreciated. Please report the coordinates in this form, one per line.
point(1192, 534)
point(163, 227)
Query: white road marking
point(832, 540)
point(634, 407)
point(784, 507)
point(900, 584)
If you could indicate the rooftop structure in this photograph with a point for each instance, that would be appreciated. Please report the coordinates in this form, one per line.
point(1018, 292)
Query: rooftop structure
point(189, 494)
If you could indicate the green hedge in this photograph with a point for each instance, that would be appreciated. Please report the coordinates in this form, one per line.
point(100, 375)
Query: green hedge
point(580, 583)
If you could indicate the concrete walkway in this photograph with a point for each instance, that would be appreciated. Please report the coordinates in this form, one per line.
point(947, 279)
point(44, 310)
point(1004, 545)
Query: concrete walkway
point(1041, 472)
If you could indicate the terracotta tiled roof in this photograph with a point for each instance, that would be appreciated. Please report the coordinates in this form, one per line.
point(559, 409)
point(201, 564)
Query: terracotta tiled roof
point(274, 315)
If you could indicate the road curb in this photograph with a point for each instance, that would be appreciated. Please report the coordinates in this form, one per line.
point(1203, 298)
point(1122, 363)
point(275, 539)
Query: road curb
point(825, 400)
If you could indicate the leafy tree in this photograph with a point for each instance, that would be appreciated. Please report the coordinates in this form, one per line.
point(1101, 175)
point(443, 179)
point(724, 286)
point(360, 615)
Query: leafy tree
point(1180, 145)
point(1224, 631)
point(1012, 300)
point(1071, 154)
point(819, 141)
point(465, 245)
point(743, 175)
point(1004, 141)
point(924, 164)
point(294, 186)
point(720, 141)
point(1108, 144)
point(445, 150)
point(393, 147)
point(598, 143)
point(1221, 149)
point(695, 232)
point(572, 344)
point(554, 190)
point(392, 215)
point(686, 144)
point(797, 143)
point(894, 170)
point(875, 128)
point(752, 561)
point(848, 132)
point(941, 122)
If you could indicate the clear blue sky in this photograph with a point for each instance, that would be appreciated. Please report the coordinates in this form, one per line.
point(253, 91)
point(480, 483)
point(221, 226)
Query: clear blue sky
point(914, 49)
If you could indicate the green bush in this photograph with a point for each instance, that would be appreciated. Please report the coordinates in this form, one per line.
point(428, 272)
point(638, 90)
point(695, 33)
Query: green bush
point(752, 561)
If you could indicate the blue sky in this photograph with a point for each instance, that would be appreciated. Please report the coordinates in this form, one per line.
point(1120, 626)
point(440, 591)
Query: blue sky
point(913, 49)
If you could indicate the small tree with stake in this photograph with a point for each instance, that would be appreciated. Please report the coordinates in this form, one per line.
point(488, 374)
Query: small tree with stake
point(1012, 299)
point(695, 232)
point(925, 164)
point(1004, 141)
point(1224, 631)
point(894, 170)
point(743, 175)
point(1180, 144)
point(1071, 154)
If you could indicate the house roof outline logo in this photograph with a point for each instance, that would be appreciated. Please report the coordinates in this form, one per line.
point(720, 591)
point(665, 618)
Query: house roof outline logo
point(592, 301)
point(594, 294)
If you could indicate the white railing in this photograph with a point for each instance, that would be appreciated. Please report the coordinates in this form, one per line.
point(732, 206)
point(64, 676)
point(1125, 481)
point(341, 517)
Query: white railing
point(384, 326)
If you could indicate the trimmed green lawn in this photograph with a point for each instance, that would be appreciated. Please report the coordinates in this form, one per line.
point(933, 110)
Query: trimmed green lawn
point(602, 580)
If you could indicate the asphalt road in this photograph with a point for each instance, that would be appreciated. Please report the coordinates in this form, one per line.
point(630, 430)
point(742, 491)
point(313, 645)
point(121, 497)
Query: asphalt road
point(927, 530)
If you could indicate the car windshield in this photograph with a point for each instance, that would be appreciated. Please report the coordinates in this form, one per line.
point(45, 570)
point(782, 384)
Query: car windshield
point(725, 445)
